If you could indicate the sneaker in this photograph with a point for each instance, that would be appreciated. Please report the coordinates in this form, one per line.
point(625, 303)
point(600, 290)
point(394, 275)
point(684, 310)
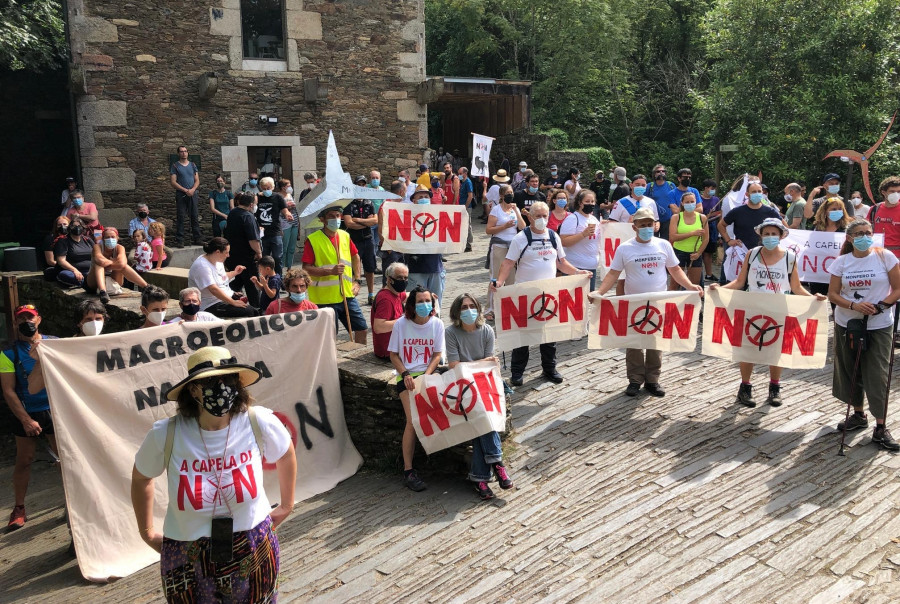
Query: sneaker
point(371, 299)
point(855, 422)
point(774, 397)
point(883, 437)
point(654, 389)
point(745, 395)
point(104, 297)
point(17, 518)
point(554, 376)
point(413, 482)
point(516, 380)
point(503, 476)
point(633, 389)
point(484, 491)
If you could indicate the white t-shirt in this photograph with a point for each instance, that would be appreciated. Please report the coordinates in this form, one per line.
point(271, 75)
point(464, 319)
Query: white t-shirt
point(504, 218)
point(774, 279)
point(201, 317)
point(568, 184)
point(645, 264)
point(204, 273)
point(864, 280)
point(539, 260)
point(193, 474)
point(586, 253)
point(493, 195)
point(620, 214)
point(415, 343)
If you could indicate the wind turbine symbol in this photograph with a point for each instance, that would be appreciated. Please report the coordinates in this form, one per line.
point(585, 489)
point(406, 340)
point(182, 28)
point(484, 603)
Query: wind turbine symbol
point(863, 158)
point(336, 189)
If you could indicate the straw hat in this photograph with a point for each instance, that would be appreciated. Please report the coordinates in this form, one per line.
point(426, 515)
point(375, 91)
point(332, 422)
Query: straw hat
point(210, 362)
point(501, 176)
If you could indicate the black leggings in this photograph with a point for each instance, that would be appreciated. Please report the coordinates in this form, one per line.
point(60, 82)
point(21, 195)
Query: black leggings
point(228, 311)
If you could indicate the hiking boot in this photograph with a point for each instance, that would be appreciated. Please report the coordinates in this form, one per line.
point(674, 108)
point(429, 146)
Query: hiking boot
point(654, 389)
point(633, 389)
point(484, 491)
point(774, 397)
point(371, 299)
point(554, 376)
point(503, 476)
point(745, 395)
point(856, 422)
point(413, 482)
point(17, 518)
point(104, 297)
point(883, 437)
point(516, 380)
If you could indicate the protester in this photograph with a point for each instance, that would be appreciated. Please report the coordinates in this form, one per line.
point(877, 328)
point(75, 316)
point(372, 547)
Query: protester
point(831, 217)
point(220, 203)
point(794, 215)
point(358, 219)
point(73, 254)
point(468, 338)
point(527, 196)
point(142, 253)
point(558, 200)
point(109, 267)
point(185, 179)
point(580, 234)
point(619, 186)
point(268, 283)
point(333, 264)
point(493, 193)
point(86, 211)
point(689, 234)
point(271, 208)
point(865, 285)
point(503, 223)
point(518, 179)
point(660, 191)
point(215, 421)
point(141, 220)
point(156, 232)
point(712, 209)
point(189, 301)
point(829, 189)
point(438, 197)
point(537, 253)
point(601, 188)
point(409, 187)
point(310, 179)
point(466, 198)
point(388, 307)
point(90, 317)
point(296, 284)
point(450, 184)
point(572, 186)
point(30, 408)
point(252, 184)
point(59, 230)
point(684, 186)
point(154, 305)
point(769, 269)
point(624, 209)
point(415, 346)
point(208, 274)
point(426, 270)
point(860, 209)
point(746, 218)
point(885, 216)
point(71, 185)
point(643, 367)
point(242, 233)
point(554, 181)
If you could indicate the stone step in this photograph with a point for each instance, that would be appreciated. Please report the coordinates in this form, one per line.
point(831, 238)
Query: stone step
point(172, 279)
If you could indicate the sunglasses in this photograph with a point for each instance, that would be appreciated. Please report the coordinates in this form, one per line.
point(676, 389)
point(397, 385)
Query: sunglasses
point(25, 307)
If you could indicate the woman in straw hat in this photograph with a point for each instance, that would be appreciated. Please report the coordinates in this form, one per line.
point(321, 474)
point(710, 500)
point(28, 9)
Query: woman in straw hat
point(218, 538)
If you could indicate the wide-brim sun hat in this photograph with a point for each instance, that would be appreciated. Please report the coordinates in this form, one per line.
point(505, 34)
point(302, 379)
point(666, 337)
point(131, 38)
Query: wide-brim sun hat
point(211, 361)
point(774, 222)
point(501, 176)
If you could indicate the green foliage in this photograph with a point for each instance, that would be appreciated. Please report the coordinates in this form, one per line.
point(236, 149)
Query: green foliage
point(559, 139)
point(598, 158)
point(32, 35)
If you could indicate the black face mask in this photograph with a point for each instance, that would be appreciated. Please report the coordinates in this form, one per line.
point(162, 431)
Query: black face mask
point(76, 230)
point(142, 215)
point(588, 208)
point(27, 329)
point(63, 229)
point(190, 309)
point(685, 181)
point(508, 198)
point(399, 285)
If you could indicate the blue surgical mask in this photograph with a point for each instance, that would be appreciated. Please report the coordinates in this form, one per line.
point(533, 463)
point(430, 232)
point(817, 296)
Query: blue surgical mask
point(297, 298)
point(423, 201)
point(334, 223)
point(689, 207)
point(469, 316)
point(532, 190)
point(110, 244)
point(553, 172)
point(863, 242)
point(835, 215)
point(375, 182)
point(522, 170)
point(267, 193)
point(253, 182)
point(756, 197)
point(712, 192)
point(561, 203)
point(833, 189)
point(645, 233)
point(78, 201)
point(770, 242)
point(423, 309)
point(639, 191)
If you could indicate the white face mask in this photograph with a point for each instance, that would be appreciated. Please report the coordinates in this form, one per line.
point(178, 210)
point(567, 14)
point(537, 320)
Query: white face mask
point(856, 200)
point(788, 197)
point(156, 317)
point(893, 199)
point(540, 224)
point(92, 328)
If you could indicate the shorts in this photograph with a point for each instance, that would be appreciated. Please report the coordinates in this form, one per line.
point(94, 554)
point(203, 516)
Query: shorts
point(401, 385)
point(685, 262)
point(357, 320)
point(366, 249)
point(43, 418)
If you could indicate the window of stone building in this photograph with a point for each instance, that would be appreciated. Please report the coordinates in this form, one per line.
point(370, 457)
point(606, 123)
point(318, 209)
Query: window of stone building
point(270, 161)
point(262, 29)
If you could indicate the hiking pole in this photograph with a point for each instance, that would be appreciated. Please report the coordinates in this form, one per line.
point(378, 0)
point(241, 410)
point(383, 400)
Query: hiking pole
point(850, 397)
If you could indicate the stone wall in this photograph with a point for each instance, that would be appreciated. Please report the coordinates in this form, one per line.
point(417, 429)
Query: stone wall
point(136, 71)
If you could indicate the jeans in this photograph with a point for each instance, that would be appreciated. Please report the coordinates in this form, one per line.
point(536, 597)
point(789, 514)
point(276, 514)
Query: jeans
point(68, 277)
point(486, 451)
point(375, 236)
point(593, 277)
point(186, 206)
point(520, 359)
point(289, 239)
point(433, 282)
point(273, 245)
point(357, 319)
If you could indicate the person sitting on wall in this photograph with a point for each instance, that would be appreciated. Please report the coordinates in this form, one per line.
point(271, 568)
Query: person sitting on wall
point(388, 307)
point(189, 301)
point(109, 267)
point(73, 254)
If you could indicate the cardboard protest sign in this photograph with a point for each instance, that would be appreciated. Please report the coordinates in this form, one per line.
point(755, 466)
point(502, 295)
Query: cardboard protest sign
point(461, 404)
point(481, 155)
point(538, 312)
point(664, 321)
point(767, 329)
point(424, 229)
point(816, 250)
point(614, 234)
point(106, 392)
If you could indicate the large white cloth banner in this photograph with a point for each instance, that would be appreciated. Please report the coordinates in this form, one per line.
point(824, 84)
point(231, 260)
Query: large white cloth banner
point(539, 312)
point(613, 234)
point(105, 394)
point(766, 329)
point(734, 261)
point(458, 405)
point(424, 229)
point(664, 321)
point(816, 250)
point(481, 155)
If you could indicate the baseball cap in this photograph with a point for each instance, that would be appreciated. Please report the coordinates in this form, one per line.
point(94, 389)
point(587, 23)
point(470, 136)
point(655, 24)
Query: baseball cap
point(423, 167)
point(70, 179)
point(26, 309)
point(643, 214)
point(523, 164)
point(553, 167)
point(831, 176)
point(360, 178)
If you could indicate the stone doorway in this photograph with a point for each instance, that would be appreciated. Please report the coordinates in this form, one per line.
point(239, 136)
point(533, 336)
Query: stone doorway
point(271, 161)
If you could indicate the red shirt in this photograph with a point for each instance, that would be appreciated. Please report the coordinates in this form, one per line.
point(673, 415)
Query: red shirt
point(887, 222)
point(388, 306)
point(287, 306)
point(553, 222)
point(309, 256)
point(437, 196)
point(448, 190)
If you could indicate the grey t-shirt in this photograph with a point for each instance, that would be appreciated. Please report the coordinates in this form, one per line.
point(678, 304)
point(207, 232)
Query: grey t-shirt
point(796, 211)
point(465, 346)
point(184, 175)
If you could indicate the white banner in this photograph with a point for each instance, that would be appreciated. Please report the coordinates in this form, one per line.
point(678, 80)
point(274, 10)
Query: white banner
point(106, 392)
point(816, 250)
point(539, 312)
point(424, 229)
point(734, 261)
point(461, 404)
point(767, 329)
point(481, 155)
point(664, 321)
point(613, 235)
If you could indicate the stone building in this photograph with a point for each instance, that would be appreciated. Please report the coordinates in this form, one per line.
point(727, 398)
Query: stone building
point(244, 84)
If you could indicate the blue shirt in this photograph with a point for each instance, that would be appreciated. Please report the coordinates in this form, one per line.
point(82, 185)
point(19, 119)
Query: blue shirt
point(676, 193)
point(660, 194)
point(184, 175)
point(465, 187)
point(137, 225)
point(275, 282)
point(16, 360)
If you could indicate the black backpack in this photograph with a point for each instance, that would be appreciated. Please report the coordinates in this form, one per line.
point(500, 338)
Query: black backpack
point(530, 238)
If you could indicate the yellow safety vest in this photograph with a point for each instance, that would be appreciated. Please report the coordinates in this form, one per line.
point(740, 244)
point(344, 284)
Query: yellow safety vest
point(324, 290)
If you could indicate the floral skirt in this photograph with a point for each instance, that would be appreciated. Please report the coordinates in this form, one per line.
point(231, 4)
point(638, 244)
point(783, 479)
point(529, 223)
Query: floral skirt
point(189, 577)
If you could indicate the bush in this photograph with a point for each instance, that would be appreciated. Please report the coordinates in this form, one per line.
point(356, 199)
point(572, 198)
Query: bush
point(598, 158)
point(559, 139)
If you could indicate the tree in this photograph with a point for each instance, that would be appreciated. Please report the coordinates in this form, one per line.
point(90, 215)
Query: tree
point(32, 35)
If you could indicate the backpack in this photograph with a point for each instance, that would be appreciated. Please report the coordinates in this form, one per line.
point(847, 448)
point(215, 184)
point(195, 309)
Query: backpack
point(530, 239)
point(170, 436)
